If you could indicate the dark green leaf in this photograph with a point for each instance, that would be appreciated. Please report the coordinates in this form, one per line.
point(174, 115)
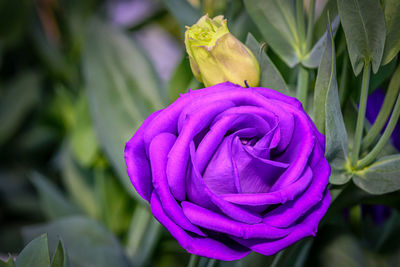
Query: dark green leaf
point(381, 177)
point(84, 142)
point(123, 89)
point(320, 21)
point(339, 175)
point(276, 22)
point(60, 258)
point(112, 201)
point(183, 11)
point(89, 243)
point(384, 73)
point(313, 58)
point(270, 77)
point(295, 255)
point(392, 19)
point(35, 254)
point(327, 112)
point(53, 202)
point(364, 27)
point(181, 79)
point(343, 251)
point(9, 263)
point(18, 99)
point(76, 183)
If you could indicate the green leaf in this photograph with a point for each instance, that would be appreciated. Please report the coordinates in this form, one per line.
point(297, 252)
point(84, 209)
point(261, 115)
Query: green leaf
point(84, 142)
point(313, 58)
point(381, 177)
point(276, 22)
point(344, 250)
point(180, 79)
point(295, 255)
point(327, 112)
point(392, 18)
point(113, 202)
point(9, 263)
point(183, 11)
point(320, 22)
point(89, 243)
point(270, 75)
point(35, 254)
point(16, 102)
point(60, 258)
point(384, 73)
point(123, 89)
point(364, 27)
point(53, 202)
point(76, 183)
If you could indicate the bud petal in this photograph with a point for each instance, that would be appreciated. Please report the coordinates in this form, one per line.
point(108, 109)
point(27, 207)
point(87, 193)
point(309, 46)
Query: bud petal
point(216, 55)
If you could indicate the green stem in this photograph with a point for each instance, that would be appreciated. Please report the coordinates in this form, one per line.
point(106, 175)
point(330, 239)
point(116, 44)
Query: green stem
point(384, 139)
point(194, 260)
point(361, 114)
point(302, 85)
point(310, 25)
point(343, 81)
point(394, 87)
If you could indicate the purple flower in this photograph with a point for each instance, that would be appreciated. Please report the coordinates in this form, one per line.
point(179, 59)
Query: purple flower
point(374, 104)
point(229, 170)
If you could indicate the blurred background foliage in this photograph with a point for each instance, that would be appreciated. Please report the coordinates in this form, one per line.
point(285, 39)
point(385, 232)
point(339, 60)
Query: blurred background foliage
point(76, 80)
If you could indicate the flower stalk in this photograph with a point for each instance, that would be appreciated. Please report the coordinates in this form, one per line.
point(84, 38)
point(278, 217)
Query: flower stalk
point(371, 156)
point(384, 113)
point(361, 113)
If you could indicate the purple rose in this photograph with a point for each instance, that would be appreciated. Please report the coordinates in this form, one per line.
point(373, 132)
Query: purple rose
point(374, 105)
point(229, 170)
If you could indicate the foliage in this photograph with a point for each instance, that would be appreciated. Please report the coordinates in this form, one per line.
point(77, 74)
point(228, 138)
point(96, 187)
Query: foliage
point(76, 82)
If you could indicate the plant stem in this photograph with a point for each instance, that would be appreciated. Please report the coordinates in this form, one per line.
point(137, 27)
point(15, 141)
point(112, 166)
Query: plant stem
point(302, 85)
point(310, 25)
point(361, 114)
point(343, 81)
point(194, 260)
point(385, 137)
point(380, 121)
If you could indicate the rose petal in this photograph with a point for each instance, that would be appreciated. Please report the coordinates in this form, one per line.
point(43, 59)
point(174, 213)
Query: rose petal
point(136, 160)
point(202, 246)
point(159, 149)
point(277, 197)
point(203, 196)
point(288, 213)
point(179, 154)
point(297, 152)
point(303, 229)
point(222, 224)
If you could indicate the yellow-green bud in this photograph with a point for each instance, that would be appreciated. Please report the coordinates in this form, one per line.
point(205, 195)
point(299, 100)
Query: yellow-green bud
point(216, 56)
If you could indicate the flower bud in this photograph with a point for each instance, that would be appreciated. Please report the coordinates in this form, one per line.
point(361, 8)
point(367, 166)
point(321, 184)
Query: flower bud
point(216, 56)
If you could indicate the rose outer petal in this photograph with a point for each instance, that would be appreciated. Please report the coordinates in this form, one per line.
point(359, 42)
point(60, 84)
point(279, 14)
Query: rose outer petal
point(159, 149)
point(222, 224)
point(202, 246)
point(303, 229)
point(288, 213)
point(137, 163)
